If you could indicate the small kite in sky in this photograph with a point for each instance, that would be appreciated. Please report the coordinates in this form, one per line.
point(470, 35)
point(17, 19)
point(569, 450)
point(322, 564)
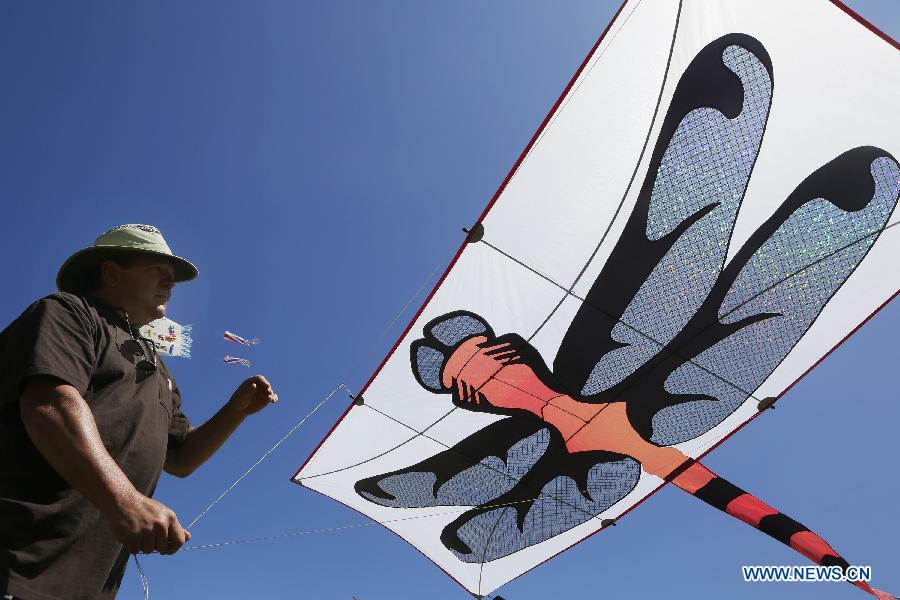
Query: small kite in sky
point(169, 337)
point(236, 338)
point(234, 360)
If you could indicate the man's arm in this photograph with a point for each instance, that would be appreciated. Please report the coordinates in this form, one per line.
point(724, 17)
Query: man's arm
point(202, 442)
point(62, 427)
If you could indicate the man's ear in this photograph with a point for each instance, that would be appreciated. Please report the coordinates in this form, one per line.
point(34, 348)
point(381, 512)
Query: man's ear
point(110, 273)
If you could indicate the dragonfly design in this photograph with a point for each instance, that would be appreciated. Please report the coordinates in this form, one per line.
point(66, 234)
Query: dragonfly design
point(670, 340)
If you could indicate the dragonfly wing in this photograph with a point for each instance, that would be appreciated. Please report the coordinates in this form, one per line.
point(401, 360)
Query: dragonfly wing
point(555, 497)
point(768, 296)
point(476, 470)
point(676, 239)
point(522, 484)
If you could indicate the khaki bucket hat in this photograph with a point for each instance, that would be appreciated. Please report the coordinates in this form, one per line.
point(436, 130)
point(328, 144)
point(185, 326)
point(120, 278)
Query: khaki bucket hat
point(145, 239)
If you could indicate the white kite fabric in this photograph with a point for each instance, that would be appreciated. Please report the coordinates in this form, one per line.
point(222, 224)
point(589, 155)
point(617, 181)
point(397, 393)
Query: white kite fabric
point(709, 210)
point(169, 337)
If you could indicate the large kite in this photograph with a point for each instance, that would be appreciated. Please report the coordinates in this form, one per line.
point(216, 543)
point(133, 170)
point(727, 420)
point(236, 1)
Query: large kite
point(707, 211)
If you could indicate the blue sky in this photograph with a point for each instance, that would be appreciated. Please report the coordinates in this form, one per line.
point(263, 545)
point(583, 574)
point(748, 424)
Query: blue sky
point(317, 160)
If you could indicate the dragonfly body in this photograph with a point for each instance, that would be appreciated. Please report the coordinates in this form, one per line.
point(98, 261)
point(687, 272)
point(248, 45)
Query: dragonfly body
point(481, 372)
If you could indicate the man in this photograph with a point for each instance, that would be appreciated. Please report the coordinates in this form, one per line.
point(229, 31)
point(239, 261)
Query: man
point(90, 416)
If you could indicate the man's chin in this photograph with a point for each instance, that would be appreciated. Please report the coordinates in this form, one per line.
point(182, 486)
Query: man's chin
point(159, 312)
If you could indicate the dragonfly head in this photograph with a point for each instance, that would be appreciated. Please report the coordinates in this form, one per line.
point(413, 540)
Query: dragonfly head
point(442, 336)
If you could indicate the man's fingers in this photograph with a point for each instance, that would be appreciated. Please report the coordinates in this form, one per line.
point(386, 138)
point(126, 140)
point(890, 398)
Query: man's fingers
point(261, 381)
point(177, 538)
point(148, 542)
point(162, 538)
point(261, 386)
point(177, 535)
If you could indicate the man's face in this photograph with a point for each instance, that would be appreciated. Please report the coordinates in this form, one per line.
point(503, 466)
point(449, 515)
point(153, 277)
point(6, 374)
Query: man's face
point(144, 287)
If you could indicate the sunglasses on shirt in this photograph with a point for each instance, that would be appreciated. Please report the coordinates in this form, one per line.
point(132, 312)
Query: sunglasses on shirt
point(147, 364)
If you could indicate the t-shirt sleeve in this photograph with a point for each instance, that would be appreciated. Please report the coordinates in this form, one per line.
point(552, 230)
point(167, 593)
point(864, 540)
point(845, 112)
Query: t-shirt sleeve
point(54, 336)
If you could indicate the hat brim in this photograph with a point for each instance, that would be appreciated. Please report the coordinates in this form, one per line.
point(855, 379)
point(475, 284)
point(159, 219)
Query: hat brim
point(73, 273)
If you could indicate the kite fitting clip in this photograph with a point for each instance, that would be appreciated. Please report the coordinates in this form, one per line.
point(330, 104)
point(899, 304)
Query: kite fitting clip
point(475, 234)
point(766, 403)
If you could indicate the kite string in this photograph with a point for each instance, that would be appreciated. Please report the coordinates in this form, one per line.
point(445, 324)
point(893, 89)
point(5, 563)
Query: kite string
point(145, 583)
point(413, 297)
point(354, 367)
point(347, 373)
point(324, 530)
point(264, 456)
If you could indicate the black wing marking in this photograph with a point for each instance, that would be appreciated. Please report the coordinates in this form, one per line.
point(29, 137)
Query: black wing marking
point(676, 238)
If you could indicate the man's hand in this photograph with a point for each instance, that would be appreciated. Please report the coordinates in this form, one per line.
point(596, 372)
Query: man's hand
point(145, 525)
point(253, 395)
